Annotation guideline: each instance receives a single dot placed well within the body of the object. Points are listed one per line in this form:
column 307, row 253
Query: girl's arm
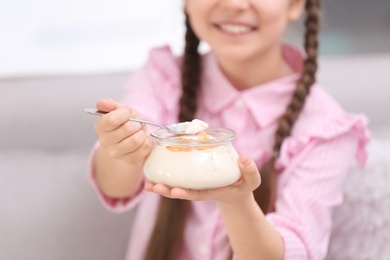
column 116, row 178
column 251, row 236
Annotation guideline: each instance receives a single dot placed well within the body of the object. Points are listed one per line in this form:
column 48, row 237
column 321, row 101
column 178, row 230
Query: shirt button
column 239, row 102
column 203, row 249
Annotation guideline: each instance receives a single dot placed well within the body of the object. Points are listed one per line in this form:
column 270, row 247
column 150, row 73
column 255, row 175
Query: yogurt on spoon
column 194, row 127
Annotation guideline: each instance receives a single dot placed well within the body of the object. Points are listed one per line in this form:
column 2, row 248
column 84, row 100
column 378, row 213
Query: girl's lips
column 235, row 28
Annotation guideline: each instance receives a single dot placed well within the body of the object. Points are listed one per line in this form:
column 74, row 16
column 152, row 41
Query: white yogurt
column 194, row 127
column 193, row 166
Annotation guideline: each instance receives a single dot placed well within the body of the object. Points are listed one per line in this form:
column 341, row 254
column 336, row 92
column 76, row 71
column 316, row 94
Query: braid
column 266, row 193
column 308, row 78
column 167, row 235
column 191, row 70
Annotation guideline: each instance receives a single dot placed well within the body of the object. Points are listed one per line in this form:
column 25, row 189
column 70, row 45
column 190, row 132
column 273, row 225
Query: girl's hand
column 243, row 188
column 123, row 139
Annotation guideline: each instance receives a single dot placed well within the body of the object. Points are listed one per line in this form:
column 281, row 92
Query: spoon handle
column 94, row 112
column 101, row 113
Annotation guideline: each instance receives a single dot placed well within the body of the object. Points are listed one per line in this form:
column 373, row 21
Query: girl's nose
column 235, row 4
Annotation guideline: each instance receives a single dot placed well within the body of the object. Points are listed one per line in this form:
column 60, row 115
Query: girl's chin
column 235, row 54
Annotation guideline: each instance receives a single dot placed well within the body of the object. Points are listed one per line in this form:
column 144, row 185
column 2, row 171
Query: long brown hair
column 167, row 236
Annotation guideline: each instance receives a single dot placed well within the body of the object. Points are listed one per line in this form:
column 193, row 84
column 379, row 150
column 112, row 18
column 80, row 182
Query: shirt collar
column 266, row 102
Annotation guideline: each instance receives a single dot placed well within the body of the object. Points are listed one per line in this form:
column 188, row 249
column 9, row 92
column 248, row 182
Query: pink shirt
column 313, row 161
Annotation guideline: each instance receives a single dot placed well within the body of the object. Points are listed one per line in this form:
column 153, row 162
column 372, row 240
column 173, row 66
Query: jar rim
column 219, row 136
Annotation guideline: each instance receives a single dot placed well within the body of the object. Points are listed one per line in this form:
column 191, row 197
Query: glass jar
column 204, row 161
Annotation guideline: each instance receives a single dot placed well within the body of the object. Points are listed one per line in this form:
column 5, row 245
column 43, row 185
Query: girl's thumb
column 107, row 105
column 249, row 171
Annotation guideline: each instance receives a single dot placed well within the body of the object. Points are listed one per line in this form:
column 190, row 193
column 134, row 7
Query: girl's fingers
column 148, row 185
column 126, row 130
column 132, row 143
column 113, row 120
column 133, row 149
column 185, row 194
column 106, row 105
column 118, row 115
column 138, row 156
column 195, row 195
column 210, row 194
column 162, row 190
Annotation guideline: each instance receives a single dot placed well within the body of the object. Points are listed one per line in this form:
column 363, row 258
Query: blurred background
column 73, row 36
column 58, row 57
column 41, row 36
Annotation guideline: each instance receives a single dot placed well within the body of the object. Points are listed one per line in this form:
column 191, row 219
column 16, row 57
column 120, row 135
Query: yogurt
column 203, row 161
column 194, row 127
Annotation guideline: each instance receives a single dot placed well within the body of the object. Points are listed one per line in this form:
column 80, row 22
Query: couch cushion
column 48, row 210
column 46, row 112
column 362, row 224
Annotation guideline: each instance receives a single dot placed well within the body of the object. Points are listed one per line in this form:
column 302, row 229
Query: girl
column 286, row 125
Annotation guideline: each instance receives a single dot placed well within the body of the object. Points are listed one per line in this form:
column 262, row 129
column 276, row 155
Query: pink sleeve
column 310, row 186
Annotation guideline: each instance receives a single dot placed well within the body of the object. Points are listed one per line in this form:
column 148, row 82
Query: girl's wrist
column 238, row 203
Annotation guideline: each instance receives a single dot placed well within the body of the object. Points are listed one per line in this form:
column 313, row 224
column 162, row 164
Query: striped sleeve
column 309, row 187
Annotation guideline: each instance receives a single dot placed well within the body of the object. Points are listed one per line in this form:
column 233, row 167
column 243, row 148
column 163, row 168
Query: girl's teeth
column 235, row 28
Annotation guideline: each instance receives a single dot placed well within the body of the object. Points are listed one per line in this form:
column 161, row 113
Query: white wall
column 82, row 36
column 56, row 36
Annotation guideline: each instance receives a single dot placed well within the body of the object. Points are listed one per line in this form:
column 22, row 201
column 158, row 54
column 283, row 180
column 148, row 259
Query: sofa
column 48, row 210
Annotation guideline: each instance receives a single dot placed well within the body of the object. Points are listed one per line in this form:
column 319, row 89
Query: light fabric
column 361, row 228
column 313, row 162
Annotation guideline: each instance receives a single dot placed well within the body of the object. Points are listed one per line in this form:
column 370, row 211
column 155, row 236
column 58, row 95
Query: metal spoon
column 175, row 129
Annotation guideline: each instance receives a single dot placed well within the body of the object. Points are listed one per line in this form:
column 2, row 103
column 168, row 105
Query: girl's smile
column 235, row 28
